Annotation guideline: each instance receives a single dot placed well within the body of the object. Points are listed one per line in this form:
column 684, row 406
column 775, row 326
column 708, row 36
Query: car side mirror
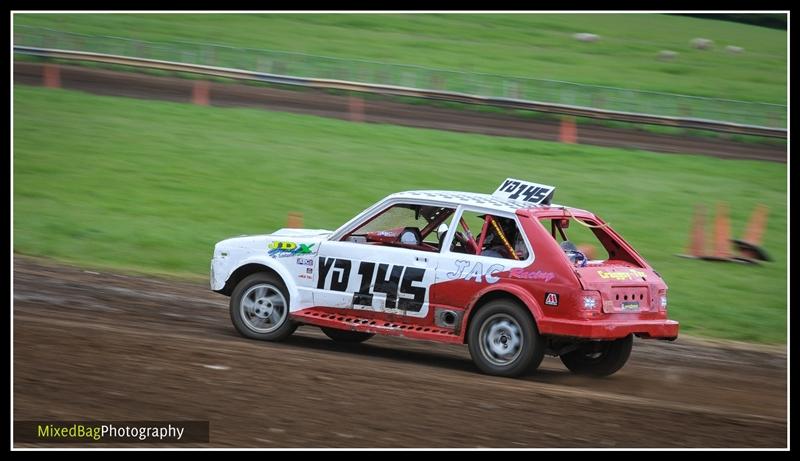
column 441, row 230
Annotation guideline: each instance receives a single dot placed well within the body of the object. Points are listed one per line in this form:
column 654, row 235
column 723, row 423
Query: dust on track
column 102, row 346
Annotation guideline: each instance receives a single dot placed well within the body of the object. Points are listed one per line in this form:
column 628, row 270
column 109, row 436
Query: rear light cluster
column 663, row 300
column 591, row 301
column 591, row 304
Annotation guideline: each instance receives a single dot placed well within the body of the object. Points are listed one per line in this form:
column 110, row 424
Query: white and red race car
column 454, row 267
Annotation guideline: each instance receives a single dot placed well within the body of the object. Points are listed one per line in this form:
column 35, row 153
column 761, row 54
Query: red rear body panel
column 630, row 290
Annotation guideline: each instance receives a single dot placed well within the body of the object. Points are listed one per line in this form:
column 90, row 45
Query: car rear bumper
column 609, row 329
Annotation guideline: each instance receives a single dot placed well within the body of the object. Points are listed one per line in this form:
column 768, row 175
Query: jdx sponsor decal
column 283, row 249
column 621, row 275
column 397, row 283
column 467, row 271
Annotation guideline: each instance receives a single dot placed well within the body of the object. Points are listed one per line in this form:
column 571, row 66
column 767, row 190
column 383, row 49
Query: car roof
column 469, row 199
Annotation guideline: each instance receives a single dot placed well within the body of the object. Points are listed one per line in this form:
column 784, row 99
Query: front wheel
column 599, row 358
column 259, row 308
column 503, row 339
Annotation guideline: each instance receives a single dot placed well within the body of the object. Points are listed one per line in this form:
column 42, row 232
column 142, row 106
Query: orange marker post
column 696, row 247
column 750, row 245
column 200, row 93
column 295, row 220
column 568, row 131
column 52, row 75
column 356, row 108
column 722, row 233
column 756, row 226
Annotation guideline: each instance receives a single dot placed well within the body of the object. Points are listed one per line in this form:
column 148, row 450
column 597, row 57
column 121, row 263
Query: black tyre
column 259, row 308
column 345, row 336
column 599, row 358
column 503, row 339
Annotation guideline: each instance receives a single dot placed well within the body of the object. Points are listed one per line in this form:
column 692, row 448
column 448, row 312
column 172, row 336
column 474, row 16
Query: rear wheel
column 599, row 358
column 259, row 308
column 344, row 336
column 503, row 339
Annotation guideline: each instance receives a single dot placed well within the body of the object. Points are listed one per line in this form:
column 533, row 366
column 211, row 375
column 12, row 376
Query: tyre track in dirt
column 315, row 102
column 99, row 345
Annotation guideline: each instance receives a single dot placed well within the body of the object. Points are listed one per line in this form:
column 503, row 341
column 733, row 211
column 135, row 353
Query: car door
column 381, row 279
column 368, row 266
column 460, row 276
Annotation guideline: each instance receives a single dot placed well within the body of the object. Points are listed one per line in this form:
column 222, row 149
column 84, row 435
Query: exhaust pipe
column 448, row 318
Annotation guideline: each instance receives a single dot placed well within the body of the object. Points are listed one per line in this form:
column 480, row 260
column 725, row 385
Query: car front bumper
column 217, row 273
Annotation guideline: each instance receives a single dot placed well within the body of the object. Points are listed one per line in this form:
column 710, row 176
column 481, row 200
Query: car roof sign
column 528, row 192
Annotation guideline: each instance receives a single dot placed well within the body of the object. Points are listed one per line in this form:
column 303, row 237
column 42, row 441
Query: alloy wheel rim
column 263, row 308
column 501, row 339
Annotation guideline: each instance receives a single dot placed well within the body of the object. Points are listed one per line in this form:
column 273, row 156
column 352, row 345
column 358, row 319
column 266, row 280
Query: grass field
column 527, row 45
column 151, row 186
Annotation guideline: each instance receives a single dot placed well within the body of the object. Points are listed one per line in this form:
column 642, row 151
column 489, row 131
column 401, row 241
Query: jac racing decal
column 529, row 192
column 551, row 299
column 532, row 275
column 465, row 270
column 283, row 249
column 400, row 285
column 621, row 275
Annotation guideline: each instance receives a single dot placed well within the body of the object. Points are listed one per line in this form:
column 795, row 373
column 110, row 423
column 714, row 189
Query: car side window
column 489, row 235
column 405, row 225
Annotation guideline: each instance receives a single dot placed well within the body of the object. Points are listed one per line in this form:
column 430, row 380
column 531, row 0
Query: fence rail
column 773, row 115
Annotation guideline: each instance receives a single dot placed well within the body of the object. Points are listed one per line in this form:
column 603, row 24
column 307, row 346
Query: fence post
column 772, row 120
column 437, row 81
column 52, row 75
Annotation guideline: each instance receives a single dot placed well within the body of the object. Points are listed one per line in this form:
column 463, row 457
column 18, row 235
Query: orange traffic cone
column 750, row 245
column 696, row 248
column 295, row 220
column 722, row 234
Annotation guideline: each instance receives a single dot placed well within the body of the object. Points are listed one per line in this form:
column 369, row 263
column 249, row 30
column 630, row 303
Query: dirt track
column 383, row 111
column 102, row 346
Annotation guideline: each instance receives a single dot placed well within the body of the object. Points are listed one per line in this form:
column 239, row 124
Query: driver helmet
column 573, row 253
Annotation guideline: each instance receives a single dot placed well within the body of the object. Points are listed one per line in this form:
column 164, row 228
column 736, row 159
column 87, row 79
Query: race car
column 499, row 272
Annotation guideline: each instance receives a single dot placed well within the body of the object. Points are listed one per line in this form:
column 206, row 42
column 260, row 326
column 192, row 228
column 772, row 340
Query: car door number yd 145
column 399, row 283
